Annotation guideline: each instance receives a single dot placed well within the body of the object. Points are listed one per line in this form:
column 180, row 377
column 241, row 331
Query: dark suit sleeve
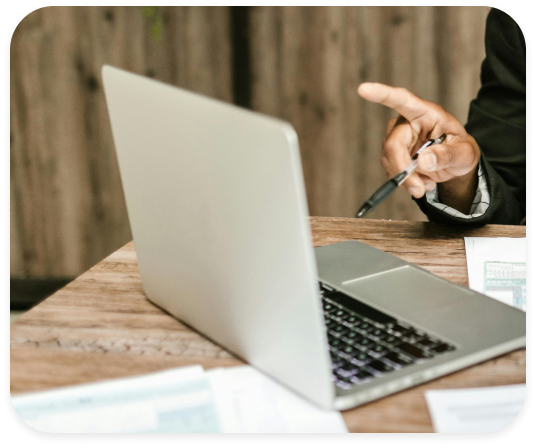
column 497, row 123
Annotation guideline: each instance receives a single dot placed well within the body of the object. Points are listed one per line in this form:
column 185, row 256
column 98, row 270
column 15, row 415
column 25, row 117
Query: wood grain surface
column 101, row 325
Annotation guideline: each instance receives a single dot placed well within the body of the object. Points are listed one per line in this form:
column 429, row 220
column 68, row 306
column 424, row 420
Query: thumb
column 437, row 158
column 457, row 158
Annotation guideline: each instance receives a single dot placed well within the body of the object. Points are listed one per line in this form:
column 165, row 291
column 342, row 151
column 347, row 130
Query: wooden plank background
column 67, row 207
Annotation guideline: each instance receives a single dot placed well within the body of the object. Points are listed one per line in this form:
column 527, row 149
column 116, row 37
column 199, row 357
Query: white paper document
column 475, row 410
column 180, row 400
column 177, row 401
column 250, row 402
column 497, row 268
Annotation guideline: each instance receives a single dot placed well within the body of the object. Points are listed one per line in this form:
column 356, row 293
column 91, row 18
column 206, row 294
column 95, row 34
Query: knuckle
column 389, row 148
column 385, row 163
column 436, row 107
column 449, row 155
column 449, row 152
column 437, row 110
column 445, row 156
column 392, row 126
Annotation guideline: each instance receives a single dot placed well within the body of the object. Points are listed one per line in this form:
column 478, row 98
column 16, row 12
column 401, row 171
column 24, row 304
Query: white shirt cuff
column 480, row 202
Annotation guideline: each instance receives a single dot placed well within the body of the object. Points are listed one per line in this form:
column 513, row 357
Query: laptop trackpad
column 410, row 294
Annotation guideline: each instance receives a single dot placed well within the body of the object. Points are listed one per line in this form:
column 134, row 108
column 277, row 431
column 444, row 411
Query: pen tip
column 365, row 209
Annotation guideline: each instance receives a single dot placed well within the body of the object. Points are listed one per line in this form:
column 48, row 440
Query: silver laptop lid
column 218, row 212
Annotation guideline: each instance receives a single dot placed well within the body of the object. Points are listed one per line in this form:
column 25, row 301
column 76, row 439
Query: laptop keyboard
column 366, row 343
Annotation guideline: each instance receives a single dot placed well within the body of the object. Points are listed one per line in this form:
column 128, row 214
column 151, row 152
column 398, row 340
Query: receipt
column 497, row 268
column 506, row 282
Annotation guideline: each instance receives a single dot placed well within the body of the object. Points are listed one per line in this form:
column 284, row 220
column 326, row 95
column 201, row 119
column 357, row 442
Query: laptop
column 217, row 207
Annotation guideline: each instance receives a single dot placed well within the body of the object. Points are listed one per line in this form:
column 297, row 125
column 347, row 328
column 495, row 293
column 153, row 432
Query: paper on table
column 475, row 410
column 176, row 400
column 250, row 402
column 496, row 267
column 181, row 400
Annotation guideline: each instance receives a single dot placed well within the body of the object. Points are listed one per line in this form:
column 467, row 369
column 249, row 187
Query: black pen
column 391, row 185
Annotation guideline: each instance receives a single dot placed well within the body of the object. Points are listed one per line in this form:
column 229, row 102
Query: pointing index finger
column 404, row 102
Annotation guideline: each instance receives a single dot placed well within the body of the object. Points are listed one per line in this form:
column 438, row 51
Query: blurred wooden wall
column 67, row 206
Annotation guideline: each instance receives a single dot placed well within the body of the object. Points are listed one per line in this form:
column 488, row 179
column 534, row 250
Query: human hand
column 453, row 163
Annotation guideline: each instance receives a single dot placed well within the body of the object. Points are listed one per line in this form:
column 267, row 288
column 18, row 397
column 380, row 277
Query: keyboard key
column 364, row 342
column 380, row 367
column 398, row 359
column 328, row 307
column 326, row 289
column 378, row 334
column 398, row 329
column 336, row 342
column 361, row 308
column 444, row 347
column 331, row 324
column 331, row 337
column 352, row 336
column 413, row 335
column 354, row 340
column 413, row 351
column 329, row 312
column 378, row 350
column 427, row 342
column 361, row 377
column 364, row 326
column 361, row 358
column 344, row 383
column 339, row 313
column 350, row 351
column 347, row 370
column 335, row 364
column 337, row 330
column 391, row 339
column 351, row 320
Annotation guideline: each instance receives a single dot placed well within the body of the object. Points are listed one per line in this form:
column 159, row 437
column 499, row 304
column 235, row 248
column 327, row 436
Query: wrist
column 459, row 192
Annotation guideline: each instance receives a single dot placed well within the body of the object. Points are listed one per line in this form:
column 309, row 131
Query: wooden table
column 101, row 326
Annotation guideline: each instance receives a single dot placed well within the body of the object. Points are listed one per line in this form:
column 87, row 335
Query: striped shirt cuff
column 480, row 202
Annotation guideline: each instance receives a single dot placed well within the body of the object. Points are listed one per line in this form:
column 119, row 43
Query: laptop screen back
column 217, row 207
